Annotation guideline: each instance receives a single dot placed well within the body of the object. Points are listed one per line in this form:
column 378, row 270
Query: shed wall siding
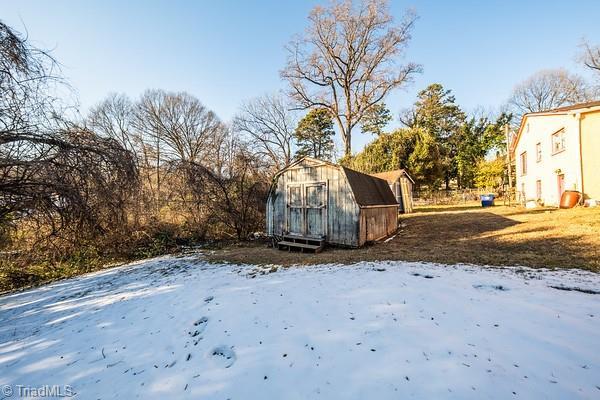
column 377, row 223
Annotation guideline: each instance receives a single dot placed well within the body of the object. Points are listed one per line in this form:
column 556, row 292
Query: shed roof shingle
column 369, row 190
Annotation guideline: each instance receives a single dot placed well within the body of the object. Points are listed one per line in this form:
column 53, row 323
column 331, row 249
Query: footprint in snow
column 223, row 355
column 200, row 327
column 491, row 287
column 424, row 276
column 209, row 299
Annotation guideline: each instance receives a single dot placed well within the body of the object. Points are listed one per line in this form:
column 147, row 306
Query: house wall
column 590, row 152
column 540, row 130
column 342, row 211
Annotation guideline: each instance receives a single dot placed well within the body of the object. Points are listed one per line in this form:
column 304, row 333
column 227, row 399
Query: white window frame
column 558, row 134
column 523, row 161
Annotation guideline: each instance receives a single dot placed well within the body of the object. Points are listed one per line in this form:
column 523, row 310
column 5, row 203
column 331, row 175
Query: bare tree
column 174, row 129
column 271, row 125
column 346, row 61
column 114, row 118
column 548, row 89
column 179, row 121
column 70, row 188
column 590, row 56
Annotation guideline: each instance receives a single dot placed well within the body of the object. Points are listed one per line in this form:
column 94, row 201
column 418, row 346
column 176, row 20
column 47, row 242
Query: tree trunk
column 347, row 141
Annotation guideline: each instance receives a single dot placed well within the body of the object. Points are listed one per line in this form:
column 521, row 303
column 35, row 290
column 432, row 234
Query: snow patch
column 179, row 327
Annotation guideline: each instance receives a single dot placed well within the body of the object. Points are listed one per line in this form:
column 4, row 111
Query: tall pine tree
column 436, row 112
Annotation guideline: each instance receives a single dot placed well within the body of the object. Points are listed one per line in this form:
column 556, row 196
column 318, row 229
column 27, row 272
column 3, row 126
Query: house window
column 538, row 189
column 524, row 163
column 538, row 152
column 558, row 141
column 523, row 192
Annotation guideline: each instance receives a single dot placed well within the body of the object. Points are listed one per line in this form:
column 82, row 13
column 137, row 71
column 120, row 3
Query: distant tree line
column 439, row 143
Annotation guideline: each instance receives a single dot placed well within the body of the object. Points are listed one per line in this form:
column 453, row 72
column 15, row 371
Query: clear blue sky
column 227, row 51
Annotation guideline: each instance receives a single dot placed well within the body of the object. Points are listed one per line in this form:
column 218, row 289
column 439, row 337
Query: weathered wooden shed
column 313, row 202
column 402, row 186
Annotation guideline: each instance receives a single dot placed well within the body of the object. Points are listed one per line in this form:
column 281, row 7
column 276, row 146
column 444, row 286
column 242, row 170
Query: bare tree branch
column 590, row 56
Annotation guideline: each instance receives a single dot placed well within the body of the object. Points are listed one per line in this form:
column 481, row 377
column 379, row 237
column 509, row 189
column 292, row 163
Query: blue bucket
column 487, row 200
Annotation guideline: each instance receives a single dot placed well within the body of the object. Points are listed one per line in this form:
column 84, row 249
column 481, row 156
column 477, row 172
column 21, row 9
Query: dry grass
column 464, row 234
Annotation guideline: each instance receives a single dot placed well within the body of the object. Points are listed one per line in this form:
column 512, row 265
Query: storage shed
column 313, row 202
column 402, row 186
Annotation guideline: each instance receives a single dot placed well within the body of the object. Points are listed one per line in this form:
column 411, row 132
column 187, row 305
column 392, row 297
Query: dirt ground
column 462, row 234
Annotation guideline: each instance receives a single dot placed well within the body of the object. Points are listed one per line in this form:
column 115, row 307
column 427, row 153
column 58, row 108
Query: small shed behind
column 402, row 186
column 313, row 202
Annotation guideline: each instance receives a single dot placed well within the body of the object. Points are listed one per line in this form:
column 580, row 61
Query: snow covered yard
column 183, row 328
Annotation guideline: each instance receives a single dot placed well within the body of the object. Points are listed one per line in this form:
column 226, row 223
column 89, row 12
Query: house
column 558, row 150
column 314, row 202
column 402, row 186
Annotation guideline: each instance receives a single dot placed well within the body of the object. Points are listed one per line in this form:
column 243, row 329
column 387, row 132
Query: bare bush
column 236, row 192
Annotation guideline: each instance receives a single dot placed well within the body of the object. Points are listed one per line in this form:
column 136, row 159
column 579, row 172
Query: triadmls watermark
column 41, row 391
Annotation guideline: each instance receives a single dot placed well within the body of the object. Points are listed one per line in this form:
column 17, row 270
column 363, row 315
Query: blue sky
column 225, row 52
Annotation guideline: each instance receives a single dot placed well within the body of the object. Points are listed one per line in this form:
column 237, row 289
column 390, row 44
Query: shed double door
column 307, row 209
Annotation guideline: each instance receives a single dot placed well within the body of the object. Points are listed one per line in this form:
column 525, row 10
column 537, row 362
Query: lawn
column 464, row 234
column 183, row 328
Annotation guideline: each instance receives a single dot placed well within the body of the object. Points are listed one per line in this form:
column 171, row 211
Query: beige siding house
column 558, row 150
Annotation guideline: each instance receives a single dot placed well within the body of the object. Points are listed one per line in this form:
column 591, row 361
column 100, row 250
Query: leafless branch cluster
column 590, row 56
column 270, row 125
column 235, row 193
